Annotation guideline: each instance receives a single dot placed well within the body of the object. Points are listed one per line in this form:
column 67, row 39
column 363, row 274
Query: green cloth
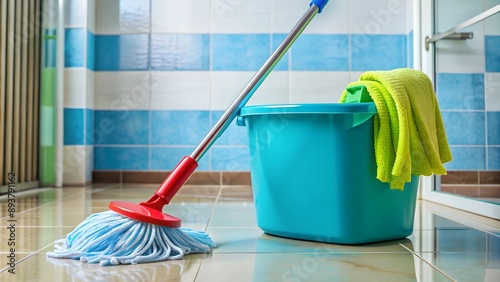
column 409, row 134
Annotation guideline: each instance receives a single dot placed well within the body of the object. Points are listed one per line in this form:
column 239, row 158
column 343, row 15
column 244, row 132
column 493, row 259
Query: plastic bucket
column 313, row 175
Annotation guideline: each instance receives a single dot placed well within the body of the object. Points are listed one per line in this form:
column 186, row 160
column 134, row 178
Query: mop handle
column 188, row 165
column 315, row 7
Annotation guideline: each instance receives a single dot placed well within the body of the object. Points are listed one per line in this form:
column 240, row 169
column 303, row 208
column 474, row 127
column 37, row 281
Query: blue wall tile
column 467, row 158
column 493, row 121
column 239, row 52
column 121, row 127
column 90, row 50
column 492, row 53
column 178, row 127
column 167, row 158
column 121, row 158
column 74, row 47
column 378, row 52
column 73, row 126
column 233, row 135
column 89, row 125
column 122, row 52
column 230, row 159
column 180, row 51
column 464, row 128
column 493, row 158
column 321, row 52
column 464, row 91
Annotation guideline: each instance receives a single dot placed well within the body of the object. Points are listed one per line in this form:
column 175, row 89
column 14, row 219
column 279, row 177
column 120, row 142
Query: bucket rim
column 310, row 108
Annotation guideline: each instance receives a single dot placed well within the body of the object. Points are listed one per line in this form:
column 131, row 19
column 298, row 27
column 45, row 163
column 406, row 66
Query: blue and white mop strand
column 109, row 238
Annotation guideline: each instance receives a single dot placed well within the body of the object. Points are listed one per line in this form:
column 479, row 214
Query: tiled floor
column 446, row 245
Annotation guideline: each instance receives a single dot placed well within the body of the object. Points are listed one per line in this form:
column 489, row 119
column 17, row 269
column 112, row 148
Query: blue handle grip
column 319, row 3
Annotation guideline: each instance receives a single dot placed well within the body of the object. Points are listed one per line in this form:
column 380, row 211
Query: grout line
column 428, row 263
column 213, row 208
column 43, row 226
column 17, row 262
column 27, row 257
column 199, row 268
column 45, row 204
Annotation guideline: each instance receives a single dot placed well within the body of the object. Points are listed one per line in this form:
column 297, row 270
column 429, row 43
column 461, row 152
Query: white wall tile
column 188, row 16
column 225, row 87
column 333, row 19
column 127, row 90
column 122, row 16
column 284, row 19
column 492, row 91
column 180, row 90
column 378, row 17
column 355, row 75
column 75, row 166
column 492, row 24
column 91, row 15
column 409, row 15
column 453, row 12
column 461, row 56
column 75, row 13
column 75, row 87
column 107, row 17
column 90, row 89
column 274, row 90
column 280, row 87
column 317, row 87
column 240, row 16
column 89, row 163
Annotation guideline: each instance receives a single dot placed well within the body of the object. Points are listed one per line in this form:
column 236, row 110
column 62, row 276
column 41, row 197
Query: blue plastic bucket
column 313, row 175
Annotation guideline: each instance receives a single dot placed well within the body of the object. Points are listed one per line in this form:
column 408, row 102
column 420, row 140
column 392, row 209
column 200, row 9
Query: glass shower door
column 465, row 67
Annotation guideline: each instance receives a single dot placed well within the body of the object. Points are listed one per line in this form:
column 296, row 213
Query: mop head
column 109, row 238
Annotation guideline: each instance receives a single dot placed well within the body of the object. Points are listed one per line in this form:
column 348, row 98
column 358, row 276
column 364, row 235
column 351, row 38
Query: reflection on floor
column 446, row 245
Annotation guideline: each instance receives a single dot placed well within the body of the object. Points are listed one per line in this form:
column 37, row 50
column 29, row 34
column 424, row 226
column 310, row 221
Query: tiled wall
column 78, row 92
column 165, row 71
column 468, row 85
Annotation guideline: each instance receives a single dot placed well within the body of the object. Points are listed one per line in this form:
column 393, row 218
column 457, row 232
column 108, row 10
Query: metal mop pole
column 256, row 81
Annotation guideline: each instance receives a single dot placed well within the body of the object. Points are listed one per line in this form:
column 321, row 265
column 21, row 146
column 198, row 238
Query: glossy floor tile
column 446, row 245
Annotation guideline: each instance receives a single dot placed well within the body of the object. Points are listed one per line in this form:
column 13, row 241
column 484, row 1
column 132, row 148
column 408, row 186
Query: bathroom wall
column 79, row 69
column 165, row 71
column 468, row 85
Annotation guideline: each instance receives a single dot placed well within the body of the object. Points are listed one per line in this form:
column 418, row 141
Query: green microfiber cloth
column 408, row 128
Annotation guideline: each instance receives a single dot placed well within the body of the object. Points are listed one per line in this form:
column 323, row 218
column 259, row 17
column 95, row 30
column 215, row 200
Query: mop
column 132, row 233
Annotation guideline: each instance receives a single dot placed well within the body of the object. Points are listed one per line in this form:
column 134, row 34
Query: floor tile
column 233, row 214
column 59, row 218
column 254, row 240
column 240, row 193
column 446, row 244
column 31, row 239
column 313, row 267
column 39, row 268
column 455, row 240
column 466, row 266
